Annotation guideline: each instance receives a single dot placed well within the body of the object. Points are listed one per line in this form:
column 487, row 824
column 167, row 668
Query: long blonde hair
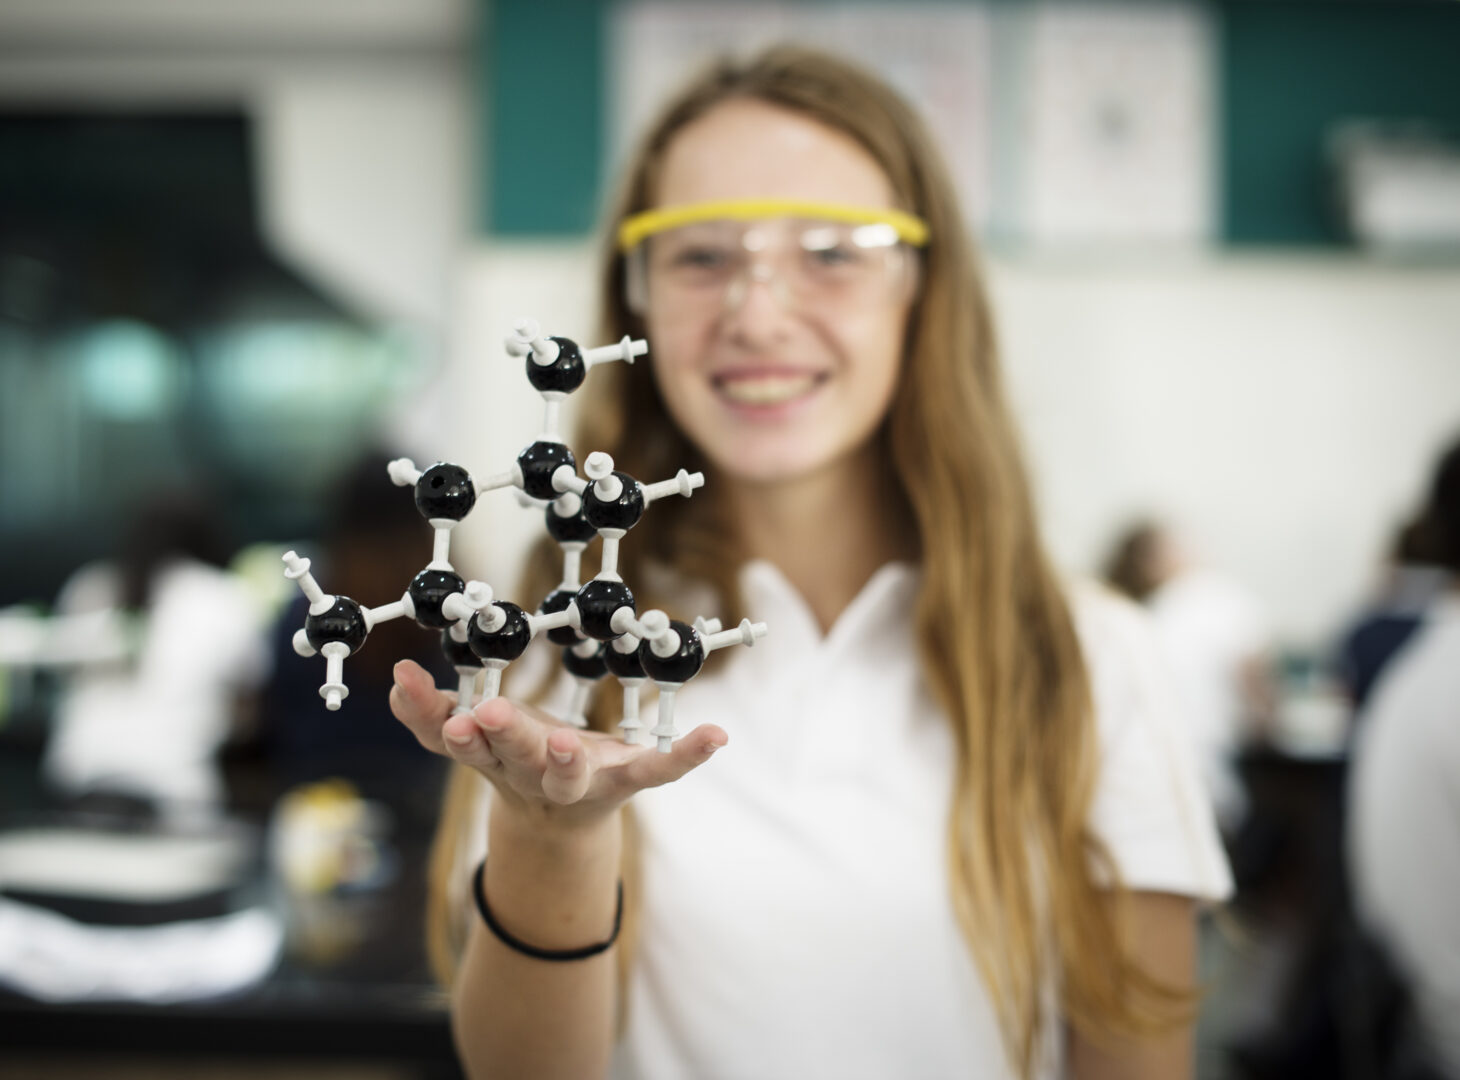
column 1030, row 883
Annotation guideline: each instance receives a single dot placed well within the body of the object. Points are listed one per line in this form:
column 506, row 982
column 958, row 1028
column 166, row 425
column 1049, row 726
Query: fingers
column 653, row 769
column 497, row 732
column 566, row 778
column 465, row 742
column 514, row 736
column 418, row 705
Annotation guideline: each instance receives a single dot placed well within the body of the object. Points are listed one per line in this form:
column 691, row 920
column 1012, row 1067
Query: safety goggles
column 705, row 258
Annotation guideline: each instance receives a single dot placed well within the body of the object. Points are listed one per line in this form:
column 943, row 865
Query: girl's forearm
column 554, row 888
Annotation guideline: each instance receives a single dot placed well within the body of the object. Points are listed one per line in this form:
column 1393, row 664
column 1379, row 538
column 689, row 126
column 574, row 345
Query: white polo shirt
column 797, row 920
column 1209, row 627
column 1404, row 821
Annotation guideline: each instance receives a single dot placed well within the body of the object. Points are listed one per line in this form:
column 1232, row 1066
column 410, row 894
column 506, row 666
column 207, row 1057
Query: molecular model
column 596, row 622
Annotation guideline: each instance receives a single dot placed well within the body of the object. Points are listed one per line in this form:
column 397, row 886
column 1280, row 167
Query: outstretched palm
column 536, row 762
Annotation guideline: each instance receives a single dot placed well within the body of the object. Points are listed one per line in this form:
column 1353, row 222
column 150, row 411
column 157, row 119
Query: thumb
column 565, row 780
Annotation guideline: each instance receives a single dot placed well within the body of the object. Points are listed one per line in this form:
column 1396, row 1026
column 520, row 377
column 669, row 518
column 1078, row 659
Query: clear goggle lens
column 803, row 261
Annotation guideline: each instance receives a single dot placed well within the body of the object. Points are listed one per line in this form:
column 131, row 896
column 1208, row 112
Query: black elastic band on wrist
column 478, row 889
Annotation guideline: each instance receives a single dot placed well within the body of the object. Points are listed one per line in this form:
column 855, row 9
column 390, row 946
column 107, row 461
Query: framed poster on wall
column 939, row 55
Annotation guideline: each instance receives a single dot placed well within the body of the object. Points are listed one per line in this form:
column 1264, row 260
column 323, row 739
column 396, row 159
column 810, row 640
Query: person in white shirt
column 1214, row 636
column 151, row 728
column 954, row 829
column 1404, row 801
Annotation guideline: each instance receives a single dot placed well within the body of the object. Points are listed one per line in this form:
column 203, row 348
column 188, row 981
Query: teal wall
column 541, row 75
column 1290, row 69
column 1287, row 70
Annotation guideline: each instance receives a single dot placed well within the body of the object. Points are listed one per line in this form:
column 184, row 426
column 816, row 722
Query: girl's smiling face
column 770, row 383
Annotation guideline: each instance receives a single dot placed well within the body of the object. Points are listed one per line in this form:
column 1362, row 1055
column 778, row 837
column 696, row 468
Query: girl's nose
column 743, row 291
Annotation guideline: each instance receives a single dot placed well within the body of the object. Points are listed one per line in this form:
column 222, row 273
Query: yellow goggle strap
column 910, row 229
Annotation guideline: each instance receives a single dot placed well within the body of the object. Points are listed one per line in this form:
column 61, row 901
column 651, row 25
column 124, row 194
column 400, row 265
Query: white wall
column 359, row 108
column 1286, row 409
column 362, row 130
column 364, row 180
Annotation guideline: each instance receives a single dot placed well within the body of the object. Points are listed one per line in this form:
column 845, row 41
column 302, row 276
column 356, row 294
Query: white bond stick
column 491, row 619
column 459, row 606
column 441, row 548
column 403, row 472
column 664, row 730
column 552, row 621
column 301, row 644
column 608, row 571
column 384, row 613
column 654, row 627
column 552, row 407
column 507, row 478
column 297, row 569
column 334, row 689
column 683, row 483
column 599, row 468
column 492, row 678
column 466, row 689
column 566, row 480
column 572, row 566
column 578, row 707
column 625, row 349
column 705, row 627
column 747, row 633
column 569, row 502
column 630, row 724
column 544, row 350
column 623, row 623
column 515, row 346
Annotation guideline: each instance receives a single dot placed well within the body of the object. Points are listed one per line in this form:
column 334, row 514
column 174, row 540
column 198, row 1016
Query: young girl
column 951, row 830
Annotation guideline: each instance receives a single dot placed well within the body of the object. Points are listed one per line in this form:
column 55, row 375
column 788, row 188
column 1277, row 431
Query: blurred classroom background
column 250, row 250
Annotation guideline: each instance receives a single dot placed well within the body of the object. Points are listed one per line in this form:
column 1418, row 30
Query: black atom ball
column 621, row 513
column 428, row 590
column 625, row 665
column 556, row 601
column 458, row 653
column 538, row 463
column 506, row 644
column 597, row 601
column 344, row 621
column 585, row 667
column 445, row 491
column 680, row 667
column 572, row 529
column 565, row 374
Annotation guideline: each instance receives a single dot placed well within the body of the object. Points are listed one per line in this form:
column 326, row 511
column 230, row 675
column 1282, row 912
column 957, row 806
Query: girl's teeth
column 770, row 390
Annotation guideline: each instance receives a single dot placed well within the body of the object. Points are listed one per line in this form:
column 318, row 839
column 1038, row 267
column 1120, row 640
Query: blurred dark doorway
column 149, row 338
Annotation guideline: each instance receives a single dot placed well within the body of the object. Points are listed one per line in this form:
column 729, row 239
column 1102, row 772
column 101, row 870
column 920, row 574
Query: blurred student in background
column 1404, row 813
column 956, row 830
column 1215, row 638
column 150, row 729
column 1412, row 580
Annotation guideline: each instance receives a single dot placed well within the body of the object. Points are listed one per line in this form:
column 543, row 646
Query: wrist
column 536, row 952
column 565, row 831
column 553, row 884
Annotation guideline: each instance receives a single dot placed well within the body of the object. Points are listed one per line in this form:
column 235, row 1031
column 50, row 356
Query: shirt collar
column 882, row 605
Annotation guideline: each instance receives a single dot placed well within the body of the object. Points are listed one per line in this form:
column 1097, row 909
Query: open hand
column 538, row 764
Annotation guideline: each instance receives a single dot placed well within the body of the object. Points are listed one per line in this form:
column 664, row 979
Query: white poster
column 1118, row 124
column 937, row 54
